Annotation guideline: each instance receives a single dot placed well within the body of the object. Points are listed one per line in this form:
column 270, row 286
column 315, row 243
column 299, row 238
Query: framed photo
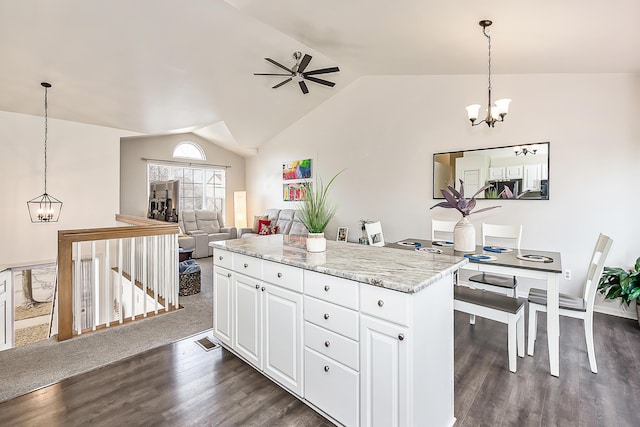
column 342, row 234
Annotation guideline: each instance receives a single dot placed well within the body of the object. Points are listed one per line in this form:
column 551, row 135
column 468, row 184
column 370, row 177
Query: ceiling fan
column 297, row 73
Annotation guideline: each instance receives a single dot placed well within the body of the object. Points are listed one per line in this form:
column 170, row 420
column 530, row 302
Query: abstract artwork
column 294, row 191
column 296, row 169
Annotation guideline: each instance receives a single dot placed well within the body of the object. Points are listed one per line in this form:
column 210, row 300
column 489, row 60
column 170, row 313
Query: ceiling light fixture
column 45, row 208
column 524, row 150
column 502, row 105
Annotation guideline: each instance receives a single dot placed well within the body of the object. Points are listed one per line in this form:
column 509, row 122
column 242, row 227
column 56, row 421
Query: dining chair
column 374, row 233
column 571, row 306
column 440, row 228
column 507, row 236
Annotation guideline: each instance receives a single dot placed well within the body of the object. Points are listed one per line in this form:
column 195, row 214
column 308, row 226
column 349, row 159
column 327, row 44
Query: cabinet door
column 514, row 172
column 222, row 305
column 532, row 175
column 496, row 172
column 283, row 337
column 384, row 373
column 247, row 336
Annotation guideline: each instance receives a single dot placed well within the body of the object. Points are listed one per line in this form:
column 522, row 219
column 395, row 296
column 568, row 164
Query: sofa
column 286, row 220
column 199, row 227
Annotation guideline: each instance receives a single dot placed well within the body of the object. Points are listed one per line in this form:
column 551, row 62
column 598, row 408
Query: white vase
column 316, row 242
column 464, row 236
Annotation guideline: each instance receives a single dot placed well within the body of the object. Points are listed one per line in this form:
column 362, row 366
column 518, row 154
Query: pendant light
column 502, row 105
column 45, row 208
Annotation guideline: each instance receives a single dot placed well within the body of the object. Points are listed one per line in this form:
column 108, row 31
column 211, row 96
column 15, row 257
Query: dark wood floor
column 182, row 385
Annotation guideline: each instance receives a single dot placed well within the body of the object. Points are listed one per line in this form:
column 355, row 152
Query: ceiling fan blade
column 322, row 71
column 269, row 74
column 303, row 86
column 277, row 64
column 281, row 83
column 303, row 64
column 321, row 81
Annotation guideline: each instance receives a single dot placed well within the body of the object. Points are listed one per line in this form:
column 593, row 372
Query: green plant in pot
column 617, row 282
column 315, row 211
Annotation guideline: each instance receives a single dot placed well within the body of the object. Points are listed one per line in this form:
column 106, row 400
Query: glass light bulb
column 502, row 106
column 472, row 111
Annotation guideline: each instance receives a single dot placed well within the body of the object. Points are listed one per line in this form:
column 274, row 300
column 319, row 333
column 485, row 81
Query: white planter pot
column 316, row 242
column 464, row 236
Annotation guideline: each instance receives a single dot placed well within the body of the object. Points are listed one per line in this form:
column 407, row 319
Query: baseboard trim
column 626, row 313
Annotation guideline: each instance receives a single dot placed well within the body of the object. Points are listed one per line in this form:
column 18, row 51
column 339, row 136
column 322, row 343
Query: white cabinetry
column 514, row 172
column 247, row 309
column 222, row 304
column 496, row 173
column 532, row 176
column 6, row 310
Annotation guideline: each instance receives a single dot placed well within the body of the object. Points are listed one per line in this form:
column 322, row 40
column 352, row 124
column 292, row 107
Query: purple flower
column 455, row 200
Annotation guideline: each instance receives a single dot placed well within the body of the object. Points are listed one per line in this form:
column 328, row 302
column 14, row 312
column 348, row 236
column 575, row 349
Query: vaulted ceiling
column 158, row 67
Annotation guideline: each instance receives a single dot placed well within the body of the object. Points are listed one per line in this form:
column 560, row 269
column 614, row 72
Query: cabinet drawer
column 282, row 275
column 222, row 258
column 385, row 304
column 332, row 387
column 247, row 265
column 332, row 289
column 333, row 317
column 330, row 344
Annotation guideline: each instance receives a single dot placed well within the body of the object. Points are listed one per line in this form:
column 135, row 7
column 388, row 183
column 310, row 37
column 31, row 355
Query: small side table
column 184, row 254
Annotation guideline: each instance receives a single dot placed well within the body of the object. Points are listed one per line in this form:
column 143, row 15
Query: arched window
column 189, row 150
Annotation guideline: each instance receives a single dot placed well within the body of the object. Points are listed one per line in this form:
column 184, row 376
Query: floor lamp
column 240, row 208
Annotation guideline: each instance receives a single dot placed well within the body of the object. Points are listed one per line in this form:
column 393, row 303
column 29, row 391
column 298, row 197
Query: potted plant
column 617, row 282
column 315, row 212
column 464, row 233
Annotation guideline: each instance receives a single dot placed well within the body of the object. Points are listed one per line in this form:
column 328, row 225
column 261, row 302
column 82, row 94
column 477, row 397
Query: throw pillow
column 263, row 223
column 255, row 222
column 268, row 229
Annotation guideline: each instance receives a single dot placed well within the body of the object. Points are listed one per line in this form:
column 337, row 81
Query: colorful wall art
column 296, row 169
column 294, row 191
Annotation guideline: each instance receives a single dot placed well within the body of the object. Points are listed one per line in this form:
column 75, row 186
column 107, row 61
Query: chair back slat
column 440, row 228
column 598, row 258
column 507, row 235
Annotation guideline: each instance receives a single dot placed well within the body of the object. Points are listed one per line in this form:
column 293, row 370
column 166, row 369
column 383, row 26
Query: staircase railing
column 109, row 276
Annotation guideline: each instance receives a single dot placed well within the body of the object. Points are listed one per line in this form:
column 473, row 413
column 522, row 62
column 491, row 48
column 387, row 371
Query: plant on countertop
column 315, row 210
column 455, row 200
column 617, row 282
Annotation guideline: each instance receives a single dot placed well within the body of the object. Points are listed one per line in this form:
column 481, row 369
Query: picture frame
column 343, row 232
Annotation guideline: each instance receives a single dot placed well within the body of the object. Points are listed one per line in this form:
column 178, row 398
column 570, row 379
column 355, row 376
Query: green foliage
column 316, row 210
column 617, row 282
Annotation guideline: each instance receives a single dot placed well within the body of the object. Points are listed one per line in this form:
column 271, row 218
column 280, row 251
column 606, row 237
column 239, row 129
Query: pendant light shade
column 45, row 207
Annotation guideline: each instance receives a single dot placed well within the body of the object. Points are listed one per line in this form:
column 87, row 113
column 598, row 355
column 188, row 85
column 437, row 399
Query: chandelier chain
column 46, row 128
column 488, row 36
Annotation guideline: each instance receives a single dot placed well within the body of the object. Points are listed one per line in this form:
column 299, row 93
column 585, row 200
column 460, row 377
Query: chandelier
column 525, row 150
column 502, row 105
column 45, row 208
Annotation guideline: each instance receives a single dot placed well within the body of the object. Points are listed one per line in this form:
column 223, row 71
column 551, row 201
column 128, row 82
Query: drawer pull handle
column 380, row 303
column 326, row 288
column 401, row 337
column 279, row 274
column 228, row 274
column 326, row 368
column 326, row 316
column 246, row 265
column 257, row 286
column 327, row 343
column 220, row 257
column 263, row 289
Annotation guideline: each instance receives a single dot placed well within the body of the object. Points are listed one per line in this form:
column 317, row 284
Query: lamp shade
column 502, row 106
column 240, row 208
column 472, row 111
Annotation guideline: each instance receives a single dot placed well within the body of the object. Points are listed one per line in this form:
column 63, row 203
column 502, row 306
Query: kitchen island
column 364, row 335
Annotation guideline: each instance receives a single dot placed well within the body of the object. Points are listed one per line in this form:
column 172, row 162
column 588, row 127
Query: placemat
column 410, row 243
column 429, row 250
column 480, row 257
column 441, row 243
column 534, row 257
column 497, row 249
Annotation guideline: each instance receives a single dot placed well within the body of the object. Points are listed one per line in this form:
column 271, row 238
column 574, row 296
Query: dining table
column 530, row 263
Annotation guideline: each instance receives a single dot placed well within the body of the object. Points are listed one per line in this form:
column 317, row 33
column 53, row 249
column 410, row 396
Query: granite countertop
column 390, row 268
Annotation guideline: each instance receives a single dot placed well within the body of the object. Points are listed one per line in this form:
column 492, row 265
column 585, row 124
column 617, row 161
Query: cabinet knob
column 228, row 274
column 326, row 288
column 279, row 274
column 220, row 257
column 246, row 265
column 257, row 286
column 327, row 343
column 326, row 316
column 326, row 368
column 380, row 303
column 262, row 289
column 401, row 337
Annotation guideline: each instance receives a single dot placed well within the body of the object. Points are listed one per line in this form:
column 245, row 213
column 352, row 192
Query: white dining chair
column 442, row 230
column 374, row 233
column 571, row 306
column 507, row 236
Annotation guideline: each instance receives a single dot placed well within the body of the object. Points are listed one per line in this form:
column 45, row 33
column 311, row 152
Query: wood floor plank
column 183, row 385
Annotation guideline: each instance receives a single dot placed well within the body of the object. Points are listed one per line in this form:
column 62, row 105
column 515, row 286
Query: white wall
column 384, row 130
column 82, row 172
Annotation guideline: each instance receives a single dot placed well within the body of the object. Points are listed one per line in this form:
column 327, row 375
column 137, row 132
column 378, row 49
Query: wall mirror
column 519, row 172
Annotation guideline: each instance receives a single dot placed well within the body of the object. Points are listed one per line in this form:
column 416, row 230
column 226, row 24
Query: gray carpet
column 33, row 366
